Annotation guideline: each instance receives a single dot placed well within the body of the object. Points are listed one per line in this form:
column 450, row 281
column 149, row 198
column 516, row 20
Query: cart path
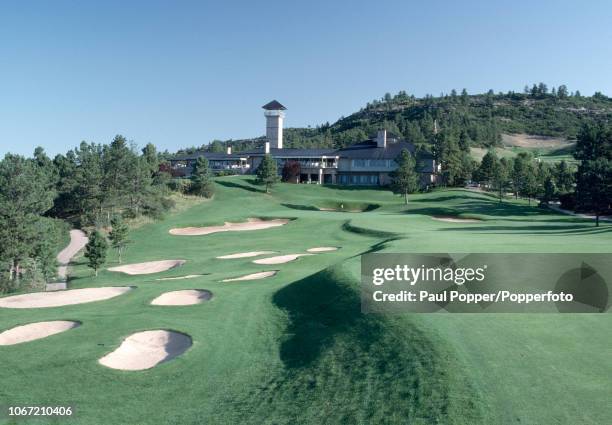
column 77, row 241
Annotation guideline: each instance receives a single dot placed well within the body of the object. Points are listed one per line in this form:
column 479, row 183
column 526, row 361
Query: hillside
column 480, row 119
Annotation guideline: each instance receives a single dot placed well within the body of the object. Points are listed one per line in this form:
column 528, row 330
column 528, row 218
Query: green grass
column 296, row 348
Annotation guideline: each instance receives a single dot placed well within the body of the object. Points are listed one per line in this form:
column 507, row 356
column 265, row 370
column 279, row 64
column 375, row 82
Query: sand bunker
column 33, row 331
column 188, row 276
column 246, row 254
column 323, row 249
column 252, row 276
column 143, row 350
column 280, row 259
column 250, row 224
column 61, row 298
column 184, row 297
column 451, row 219
column 148, row 267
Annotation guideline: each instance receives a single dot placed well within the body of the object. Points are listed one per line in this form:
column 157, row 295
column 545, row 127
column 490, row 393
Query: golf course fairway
column 295, row 347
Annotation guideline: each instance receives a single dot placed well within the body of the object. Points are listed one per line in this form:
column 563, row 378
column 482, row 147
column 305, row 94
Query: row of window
column 361, row 179
column 386, row 163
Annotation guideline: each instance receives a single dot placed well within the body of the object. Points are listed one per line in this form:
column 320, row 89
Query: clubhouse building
column 367, row 163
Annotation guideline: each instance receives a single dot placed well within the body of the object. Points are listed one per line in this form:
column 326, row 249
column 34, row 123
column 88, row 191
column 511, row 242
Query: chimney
column 381, row 138
column 267, row 147
column 229, row 150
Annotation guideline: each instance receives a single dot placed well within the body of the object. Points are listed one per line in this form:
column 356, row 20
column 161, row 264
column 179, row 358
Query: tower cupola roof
column 275, row 105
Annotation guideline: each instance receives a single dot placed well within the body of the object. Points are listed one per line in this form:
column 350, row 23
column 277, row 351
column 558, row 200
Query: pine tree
column 594, row 176
column 501, row 172
column 95, row 251
column 267, row 173
column 564, row 177
column 549, row 190
column 118, row 235
column 488, row 168
column 201, row 180
column 404, row 179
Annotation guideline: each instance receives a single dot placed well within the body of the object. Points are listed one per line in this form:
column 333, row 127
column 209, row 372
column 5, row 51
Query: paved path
column 587, row 216
column 77, row 241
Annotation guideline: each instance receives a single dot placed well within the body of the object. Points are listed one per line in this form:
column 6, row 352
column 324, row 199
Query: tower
column 274, row 123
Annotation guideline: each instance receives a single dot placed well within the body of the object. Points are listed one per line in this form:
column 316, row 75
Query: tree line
column 482, row 118
column 586, row 188
column 95, row 187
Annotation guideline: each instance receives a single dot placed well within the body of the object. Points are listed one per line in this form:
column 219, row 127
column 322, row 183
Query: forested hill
column 479, row 119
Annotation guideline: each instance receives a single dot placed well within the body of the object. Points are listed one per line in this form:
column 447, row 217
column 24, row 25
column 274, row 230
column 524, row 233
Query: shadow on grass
column 484, row 208
column 235, row 185
column 334, row 357
column 300, row 207
column 533, row 228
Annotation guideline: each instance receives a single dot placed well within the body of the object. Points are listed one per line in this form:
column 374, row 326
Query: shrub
column 291, row 172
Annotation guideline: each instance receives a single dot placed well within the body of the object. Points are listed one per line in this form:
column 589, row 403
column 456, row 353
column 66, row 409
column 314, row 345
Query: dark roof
column 275, row 105
column 291, row 152
column 215, row 156
column 369, row 150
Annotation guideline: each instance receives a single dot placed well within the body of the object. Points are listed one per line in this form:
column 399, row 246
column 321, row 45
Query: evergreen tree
column 149, row 153
column 487, row 169
column 563, row 177
column 594, row 176
column 201, row 179
column 118, row 235
column 88, row 192
column 95, row 251
column 550, row 190
column 518, row 175
column 531, row 183
column 501, row 172
column 118, row 161
column 26, row 193
column 267, row 173
column 404, row 179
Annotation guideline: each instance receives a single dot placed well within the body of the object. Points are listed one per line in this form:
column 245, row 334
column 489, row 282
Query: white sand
column 184, row 297
column 143, row 350
column 33, row 331
column 280, row 259
column 77, row 241
column 455, row 219
column 245, row 254
column 148, row 267
column 188, row 276
column 252, row 276
column 323, row 249
column 250, row 224
column 60, row 298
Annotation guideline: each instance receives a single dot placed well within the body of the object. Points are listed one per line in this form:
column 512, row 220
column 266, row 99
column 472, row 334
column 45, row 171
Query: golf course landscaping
column 249, row 307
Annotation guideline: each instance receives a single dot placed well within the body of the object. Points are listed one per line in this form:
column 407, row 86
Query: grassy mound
column 341, row 366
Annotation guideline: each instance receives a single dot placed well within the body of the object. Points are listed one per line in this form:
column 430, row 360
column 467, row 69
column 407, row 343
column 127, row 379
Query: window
column 364, row 179
column 378, row 163
column 359, row 163
column 374, row 179
column 354, row 179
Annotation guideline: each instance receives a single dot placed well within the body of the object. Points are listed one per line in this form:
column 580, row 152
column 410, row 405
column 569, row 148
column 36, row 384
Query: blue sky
column 180, row 73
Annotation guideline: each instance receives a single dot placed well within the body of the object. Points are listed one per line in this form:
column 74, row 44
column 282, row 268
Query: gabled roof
column 292, row 152
column 369, row 150
column 274, row 106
